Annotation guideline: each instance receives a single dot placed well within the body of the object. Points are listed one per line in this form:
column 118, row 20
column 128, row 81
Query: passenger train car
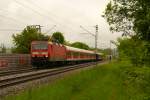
column 49, row 53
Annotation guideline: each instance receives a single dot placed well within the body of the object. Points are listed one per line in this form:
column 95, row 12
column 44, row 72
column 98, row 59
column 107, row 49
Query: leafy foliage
column 22, row 41
column 67, row 43
column 2, row 48
column 136, row 81
column 129, row 16
column 58, row 37
column 132, row 17
column 80, row 45
column 132, row 49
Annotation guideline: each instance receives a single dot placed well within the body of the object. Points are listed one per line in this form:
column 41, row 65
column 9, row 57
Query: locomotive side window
column 40, row 46
column 69, row 54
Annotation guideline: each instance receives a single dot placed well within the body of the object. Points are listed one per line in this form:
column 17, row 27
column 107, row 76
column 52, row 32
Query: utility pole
column 95, row 35
column 38, row 27
column 110, row 57
column 96, row 38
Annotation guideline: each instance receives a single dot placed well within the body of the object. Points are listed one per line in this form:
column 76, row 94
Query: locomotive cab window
column 40, row 46
column 69, row 54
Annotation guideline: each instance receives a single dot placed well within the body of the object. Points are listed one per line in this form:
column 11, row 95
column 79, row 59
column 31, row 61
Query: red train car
column 75, row 54
column 48, row 53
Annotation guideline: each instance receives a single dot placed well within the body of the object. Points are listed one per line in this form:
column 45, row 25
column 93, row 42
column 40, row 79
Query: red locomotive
column 48, row 53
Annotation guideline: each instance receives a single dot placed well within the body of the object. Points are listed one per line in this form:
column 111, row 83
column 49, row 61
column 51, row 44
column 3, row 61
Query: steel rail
column 15, row 71
column 11, row 81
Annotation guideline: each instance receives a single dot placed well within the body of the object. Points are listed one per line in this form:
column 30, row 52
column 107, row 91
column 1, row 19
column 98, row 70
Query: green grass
column 106, row 82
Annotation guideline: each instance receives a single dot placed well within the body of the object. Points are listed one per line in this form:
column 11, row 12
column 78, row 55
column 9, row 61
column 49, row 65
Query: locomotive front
column 39, row 52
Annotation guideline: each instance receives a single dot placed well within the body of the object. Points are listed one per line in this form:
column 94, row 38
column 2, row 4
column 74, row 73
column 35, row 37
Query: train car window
column 73, row 53
column 88, row 55
column 81, row 54
column 85, row 55
column 76, row 54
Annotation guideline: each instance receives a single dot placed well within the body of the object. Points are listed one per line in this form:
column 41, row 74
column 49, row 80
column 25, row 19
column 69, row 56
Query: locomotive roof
column 39, row 42
column 70, row 48
column 79, row 50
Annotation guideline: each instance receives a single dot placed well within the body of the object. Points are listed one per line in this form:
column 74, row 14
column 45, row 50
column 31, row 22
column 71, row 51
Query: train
column 51, row 53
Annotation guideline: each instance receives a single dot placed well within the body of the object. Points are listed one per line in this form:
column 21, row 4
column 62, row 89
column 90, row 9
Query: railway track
column 15, row 71
column 25, row 77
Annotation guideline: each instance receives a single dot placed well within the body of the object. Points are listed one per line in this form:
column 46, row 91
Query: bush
column 134, row 50
column 136, row 81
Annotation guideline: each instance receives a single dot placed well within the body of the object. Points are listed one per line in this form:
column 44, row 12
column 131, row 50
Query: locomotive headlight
column 44, row 53
column 35, row 53
column 46, row 56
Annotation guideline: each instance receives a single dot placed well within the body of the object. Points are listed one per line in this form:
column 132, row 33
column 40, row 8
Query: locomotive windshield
column 40, row 46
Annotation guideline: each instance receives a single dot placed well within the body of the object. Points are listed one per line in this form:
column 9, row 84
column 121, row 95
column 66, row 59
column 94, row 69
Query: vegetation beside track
column 114, row 81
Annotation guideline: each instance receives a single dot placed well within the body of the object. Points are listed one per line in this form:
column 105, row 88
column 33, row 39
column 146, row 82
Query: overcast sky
column 67, row 15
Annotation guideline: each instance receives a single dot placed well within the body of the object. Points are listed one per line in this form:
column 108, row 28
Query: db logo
column 3, row 63
column 22, row 60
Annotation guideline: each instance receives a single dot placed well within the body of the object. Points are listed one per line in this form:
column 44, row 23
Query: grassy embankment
column 114, row 81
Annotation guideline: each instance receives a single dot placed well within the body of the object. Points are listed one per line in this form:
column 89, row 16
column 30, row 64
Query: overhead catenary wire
column 47, row 11
column 41, row 14
column 50, row 29
column 14, row 20
column 10, row 30
column 11, row 18
column 35, row 11
column 18, row 19
column 87, row 31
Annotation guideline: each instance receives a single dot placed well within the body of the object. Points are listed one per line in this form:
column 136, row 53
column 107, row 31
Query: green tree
column 23, row 40
column 132, row 17
column 80, row 45
column 58, row 37
column 67, row 43
column 3, row 48
column 128, row 50
column 129, row 16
